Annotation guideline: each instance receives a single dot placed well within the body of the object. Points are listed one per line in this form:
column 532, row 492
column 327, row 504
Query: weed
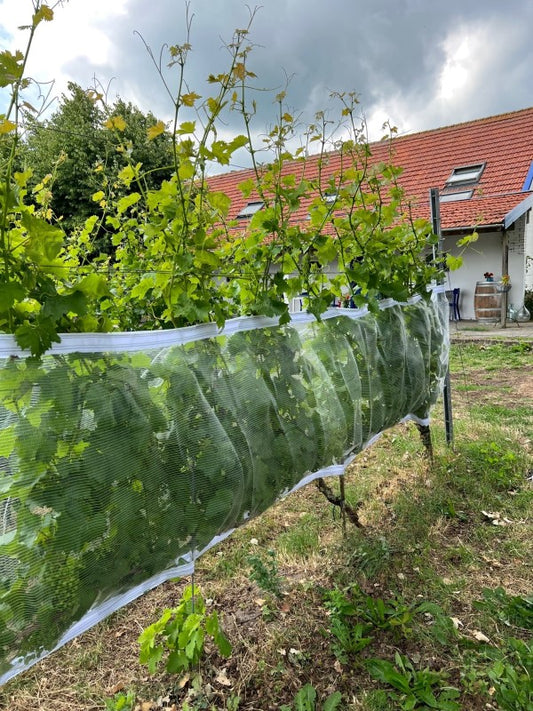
column 233, row 703
column 376, row 700
column 372, row 556
column 509, row 609
column 265, row 573
column 121, row 702
column 354, row 620
column 512, row 677
column 350, row 636
column 504, row 674
column 181, row 632
column 306, row 700
column 393, row 614
column 439, row 624
column 414, row 689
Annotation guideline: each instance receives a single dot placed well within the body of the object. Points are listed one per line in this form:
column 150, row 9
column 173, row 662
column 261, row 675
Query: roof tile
column 504, row 143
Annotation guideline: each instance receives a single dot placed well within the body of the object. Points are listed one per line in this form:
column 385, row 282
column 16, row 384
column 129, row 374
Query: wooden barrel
column 487, row 302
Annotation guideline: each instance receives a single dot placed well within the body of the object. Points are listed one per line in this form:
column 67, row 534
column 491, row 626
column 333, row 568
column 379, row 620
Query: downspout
column 505, row 270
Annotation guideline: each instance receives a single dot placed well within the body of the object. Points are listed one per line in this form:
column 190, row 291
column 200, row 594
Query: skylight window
column 465, row 174
column 250, row 210
column 453, row 197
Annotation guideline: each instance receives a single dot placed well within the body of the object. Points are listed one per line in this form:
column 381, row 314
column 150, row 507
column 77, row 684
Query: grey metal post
column 447, row 393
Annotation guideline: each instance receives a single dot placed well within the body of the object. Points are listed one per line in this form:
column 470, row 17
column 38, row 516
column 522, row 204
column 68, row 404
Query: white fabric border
column 132, row 341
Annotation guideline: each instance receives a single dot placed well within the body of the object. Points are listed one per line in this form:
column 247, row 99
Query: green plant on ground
column 511, row 676
column 180, row 634
column 350, row 635
column 356, row 617
column 233, row 702
column 393, row 614
column 121, row 701
column 306, row 700
column 503, row 674
column 510, row 609
column 414, row 689
column 376, row 700
column 265, row 573
column 301, row 539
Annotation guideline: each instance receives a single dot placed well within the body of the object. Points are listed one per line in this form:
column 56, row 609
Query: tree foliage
column 86, row 142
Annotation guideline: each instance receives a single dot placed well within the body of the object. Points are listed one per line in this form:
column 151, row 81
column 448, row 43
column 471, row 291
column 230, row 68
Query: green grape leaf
column 10, row 292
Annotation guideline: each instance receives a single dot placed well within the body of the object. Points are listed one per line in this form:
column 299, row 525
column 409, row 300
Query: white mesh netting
column 125, row 456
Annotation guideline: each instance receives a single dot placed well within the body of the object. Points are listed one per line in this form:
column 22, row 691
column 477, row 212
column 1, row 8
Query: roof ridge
column 484, row 119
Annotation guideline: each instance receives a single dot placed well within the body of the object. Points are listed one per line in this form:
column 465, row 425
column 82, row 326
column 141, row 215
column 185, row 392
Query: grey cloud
column 387, row 51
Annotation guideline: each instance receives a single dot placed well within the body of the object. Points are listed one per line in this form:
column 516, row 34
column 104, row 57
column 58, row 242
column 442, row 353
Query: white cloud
column 78, row 33
column 463, row 50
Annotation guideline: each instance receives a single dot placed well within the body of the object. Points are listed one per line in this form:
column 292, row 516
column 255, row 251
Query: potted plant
column 504, row 284
column 489, row 276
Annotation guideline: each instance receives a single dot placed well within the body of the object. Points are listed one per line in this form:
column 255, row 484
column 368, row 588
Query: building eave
column 517, row 212
column 495, row 227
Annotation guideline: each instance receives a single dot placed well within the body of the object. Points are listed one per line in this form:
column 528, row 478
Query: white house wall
column 485, row 255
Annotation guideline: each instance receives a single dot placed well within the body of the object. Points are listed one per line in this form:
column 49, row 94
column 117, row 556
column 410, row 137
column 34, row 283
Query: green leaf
column 116, row 122
column 127, row 201
column 10, row 67
column 187, row 127
column 7, row 126
column 223, row 644
column 45, row 240
column 453, row 263
column 246, row 187
column 333, row 701
column 10, row 292
column 43, row 13
column 37, row 338
column 61, row 304
column 190, row 99
column 7, row 441
column 305, row 699
column 7, row 538
column 93, row 286
column 155, row 130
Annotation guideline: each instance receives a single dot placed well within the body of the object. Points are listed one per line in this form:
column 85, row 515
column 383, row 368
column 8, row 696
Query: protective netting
column 125, row 456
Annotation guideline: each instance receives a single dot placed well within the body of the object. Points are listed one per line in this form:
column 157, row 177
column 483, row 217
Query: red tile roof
column 503, row 143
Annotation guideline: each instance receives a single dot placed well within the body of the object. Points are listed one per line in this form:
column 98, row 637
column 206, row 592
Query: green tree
column 84, row 146
column 69, row 145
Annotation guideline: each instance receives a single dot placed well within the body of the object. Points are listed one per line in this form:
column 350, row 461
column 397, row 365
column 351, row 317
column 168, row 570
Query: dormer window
column 250, row 210
column 465, row 175
column 453, row 197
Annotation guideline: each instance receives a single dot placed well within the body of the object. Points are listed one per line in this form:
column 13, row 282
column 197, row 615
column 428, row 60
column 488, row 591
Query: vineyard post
column 447, row 394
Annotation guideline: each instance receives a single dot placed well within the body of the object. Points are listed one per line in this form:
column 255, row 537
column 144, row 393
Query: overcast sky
column 416, row 63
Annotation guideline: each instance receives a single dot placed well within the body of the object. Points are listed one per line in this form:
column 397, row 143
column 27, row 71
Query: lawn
column 428, row 605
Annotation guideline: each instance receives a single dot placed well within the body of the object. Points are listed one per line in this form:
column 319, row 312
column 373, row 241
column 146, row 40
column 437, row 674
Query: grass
column 429, row 602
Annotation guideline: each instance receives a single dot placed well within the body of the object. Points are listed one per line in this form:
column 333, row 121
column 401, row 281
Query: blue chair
column 453, row 299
